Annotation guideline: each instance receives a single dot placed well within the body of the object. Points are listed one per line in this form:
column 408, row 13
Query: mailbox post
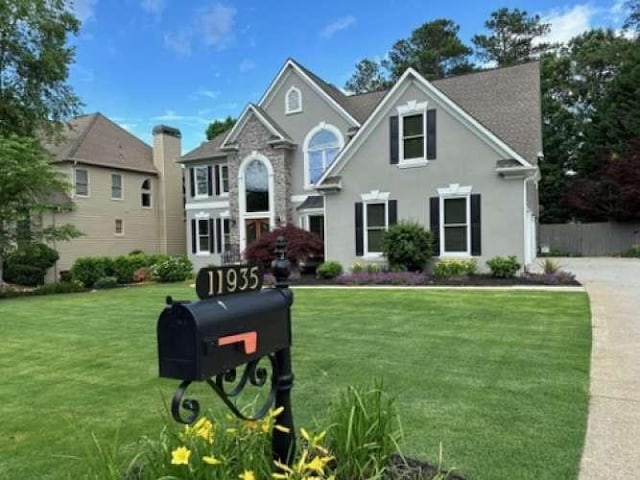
column 235, row 324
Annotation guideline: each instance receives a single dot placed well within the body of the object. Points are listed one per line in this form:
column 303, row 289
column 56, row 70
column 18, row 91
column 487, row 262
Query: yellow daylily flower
column 276, row 412
column 211, row 460
column 247, row 475
column 180, row 456
column 282, row 428
column 316, row 465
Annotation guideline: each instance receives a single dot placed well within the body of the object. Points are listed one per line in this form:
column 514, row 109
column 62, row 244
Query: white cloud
column 246, row 65
column 203, row 92
column 179, row 42
column 215, row 23
column 129, row 127
column 84, row 9
column 337, row 25
column 154, row 7
column 187, row 120
column 168, row 116
column 566, row 23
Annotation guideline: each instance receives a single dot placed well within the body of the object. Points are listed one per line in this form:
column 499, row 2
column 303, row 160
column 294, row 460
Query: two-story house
column 458, row 155
column 127, row 195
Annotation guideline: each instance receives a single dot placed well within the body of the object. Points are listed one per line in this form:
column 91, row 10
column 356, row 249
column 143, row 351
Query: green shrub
column 549, row 266
column 26, row 275
column 11, row 293
column 364, row 432
column 633, row 252
column 88, row 270
column 503, row 267
column 28, row 265
column 450, row 268
column 105, row 282
column 329, row 270
column 60, row 287
column 174, row 269
column 141, row 275
column 65, row 276
column 408, row 244
column 124, row 266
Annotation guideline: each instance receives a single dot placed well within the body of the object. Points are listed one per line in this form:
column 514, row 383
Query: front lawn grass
column 499, row 377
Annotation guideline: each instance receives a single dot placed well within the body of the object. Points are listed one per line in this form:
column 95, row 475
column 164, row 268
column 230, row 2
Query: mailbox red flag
column 248, row 339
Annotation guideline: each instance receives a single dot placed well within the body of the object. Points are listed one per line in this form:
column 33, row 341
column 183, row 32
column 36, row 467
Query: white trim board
column 244, row 118
column 205, row 205
column 442, row 100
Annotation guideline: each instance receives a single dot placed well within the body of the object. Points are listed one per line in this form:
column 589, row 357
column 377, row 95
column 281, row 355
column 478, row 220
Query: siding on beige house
column 127, row 195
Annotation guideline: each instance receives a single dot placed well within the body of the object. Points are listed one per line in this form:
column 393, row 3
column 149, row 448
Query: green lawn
column 499, row 377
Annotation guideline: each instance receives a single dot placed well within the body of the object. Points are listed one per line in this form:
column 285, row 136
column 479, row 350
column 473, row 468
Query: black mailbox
column 202, row 339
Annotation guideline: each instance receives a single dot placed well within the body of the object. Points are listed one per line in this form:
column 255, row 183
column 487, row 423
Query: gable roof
column 331, row 94
column 278, row 134
column 95, row 140
column 453, row 108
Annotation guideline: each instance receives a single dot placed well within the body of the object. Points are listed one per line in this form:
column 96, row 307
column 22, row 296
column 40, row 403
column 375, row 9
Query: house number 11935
column 214, row 281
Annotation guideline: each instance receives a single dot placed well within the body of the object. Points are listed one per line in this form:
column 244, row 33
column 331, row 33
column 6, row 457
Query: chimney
column 167, row 149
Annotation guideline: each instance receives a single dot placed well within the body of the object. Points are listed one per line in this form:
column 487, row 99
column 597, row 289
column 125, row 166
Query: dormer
column 293, row 101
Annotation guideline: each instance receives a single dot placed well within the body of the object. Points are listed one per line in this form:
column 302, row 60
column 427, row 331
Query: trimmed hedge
column 28, row 265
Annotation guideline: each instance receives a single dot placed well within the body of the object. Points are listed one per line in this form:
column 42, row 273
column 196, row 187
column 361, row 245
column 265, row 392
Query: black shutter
column 192, row 182
column 475, row 225
column 393, row 140
column 431, row 134
column 193, row 236
column 210, row 186
column 359, row 230
column 219, row 235
column 217, row 180
column 211, row 239
column 434, row 223
column 393, row 212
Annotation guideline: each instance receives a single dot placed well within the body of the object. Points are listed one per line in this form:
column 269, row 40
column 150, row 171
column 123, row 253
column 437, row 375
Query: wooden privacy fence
column 589, row 239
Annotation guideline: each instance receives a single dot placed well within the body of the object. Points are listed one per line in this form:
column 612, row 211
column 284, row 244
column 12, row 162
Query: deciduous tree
column 34, row 65
column 217, row 127
column 27, row 188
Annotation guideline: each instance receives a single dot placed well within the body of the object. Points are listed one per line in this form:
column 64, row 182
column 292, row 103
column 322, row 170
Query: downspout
column 532, row 176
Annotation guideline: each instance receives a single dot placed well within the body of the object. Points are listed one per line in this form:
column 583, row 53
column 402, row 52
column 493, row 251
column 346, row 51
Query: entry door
column 255, row 227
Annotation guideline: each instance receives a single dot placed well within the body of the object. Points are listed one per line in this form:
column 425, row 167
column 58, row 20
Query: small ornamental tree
column 408, row 245
column 300, row 244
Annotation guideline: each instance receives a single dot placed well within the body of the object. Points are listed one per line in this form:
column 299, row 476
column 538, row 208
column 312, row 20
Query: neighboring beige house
column 127, row 194
column 458, row 155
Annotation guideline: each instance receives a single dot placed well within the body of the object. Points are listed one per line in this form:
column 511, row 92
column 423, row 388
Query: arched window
column 145, row 194
column 321, row 147
column 256, row 187
column 293, row 101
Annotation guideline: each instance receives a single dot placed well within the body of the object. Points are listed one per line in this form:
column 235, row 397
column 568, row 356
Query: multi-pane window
column 201, row 176
column 226, row 233
column 119, row 227
column 322, row 150
column 203, row 235
column 224, row 179
column 145, row 194
column 413, row 139
column 375, row 226
column 293, row 101
column 256, row 187
column 455, row 225
column 116, row 186
column 81, row 181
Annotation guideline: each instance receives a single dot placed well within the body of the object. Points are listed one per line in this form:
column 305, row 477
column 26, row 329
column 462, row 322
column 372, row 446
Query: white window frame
column 223, row 192
column 307, row 140
column 121, row 197
column 408, row 110
column 243, row 215
column 115, row 229
column 75, row 183
column 195, row 179
column 287, row 107
column 373, row 197
column 203, row 217
column 311, row 212
column 148, row 191
column 455, row 191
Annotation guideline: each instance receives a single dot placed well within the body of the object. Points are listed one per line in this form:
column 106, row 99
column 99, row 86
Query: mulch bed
column 466, row 281
column 412, row 469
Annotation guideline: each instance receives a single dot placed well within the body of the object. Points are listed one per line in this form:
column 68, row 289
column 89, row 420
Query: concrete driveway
column 612, row 447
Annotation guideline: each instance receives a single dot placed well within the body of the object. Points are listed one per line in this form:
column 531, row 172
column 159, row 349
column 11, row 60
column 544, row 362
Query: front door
column 255, row 227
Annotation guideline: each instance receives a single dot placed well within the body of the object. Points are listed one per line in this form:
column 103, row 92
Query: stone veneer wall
column 254, row 137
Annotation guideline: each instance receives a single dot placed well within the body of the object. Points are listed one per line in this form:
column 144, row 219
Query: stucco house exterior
column 458, row 155
column 127, row 195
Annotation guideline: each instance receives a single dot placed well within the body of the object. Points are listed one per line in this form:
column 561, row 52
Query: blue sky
column 184, row 63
